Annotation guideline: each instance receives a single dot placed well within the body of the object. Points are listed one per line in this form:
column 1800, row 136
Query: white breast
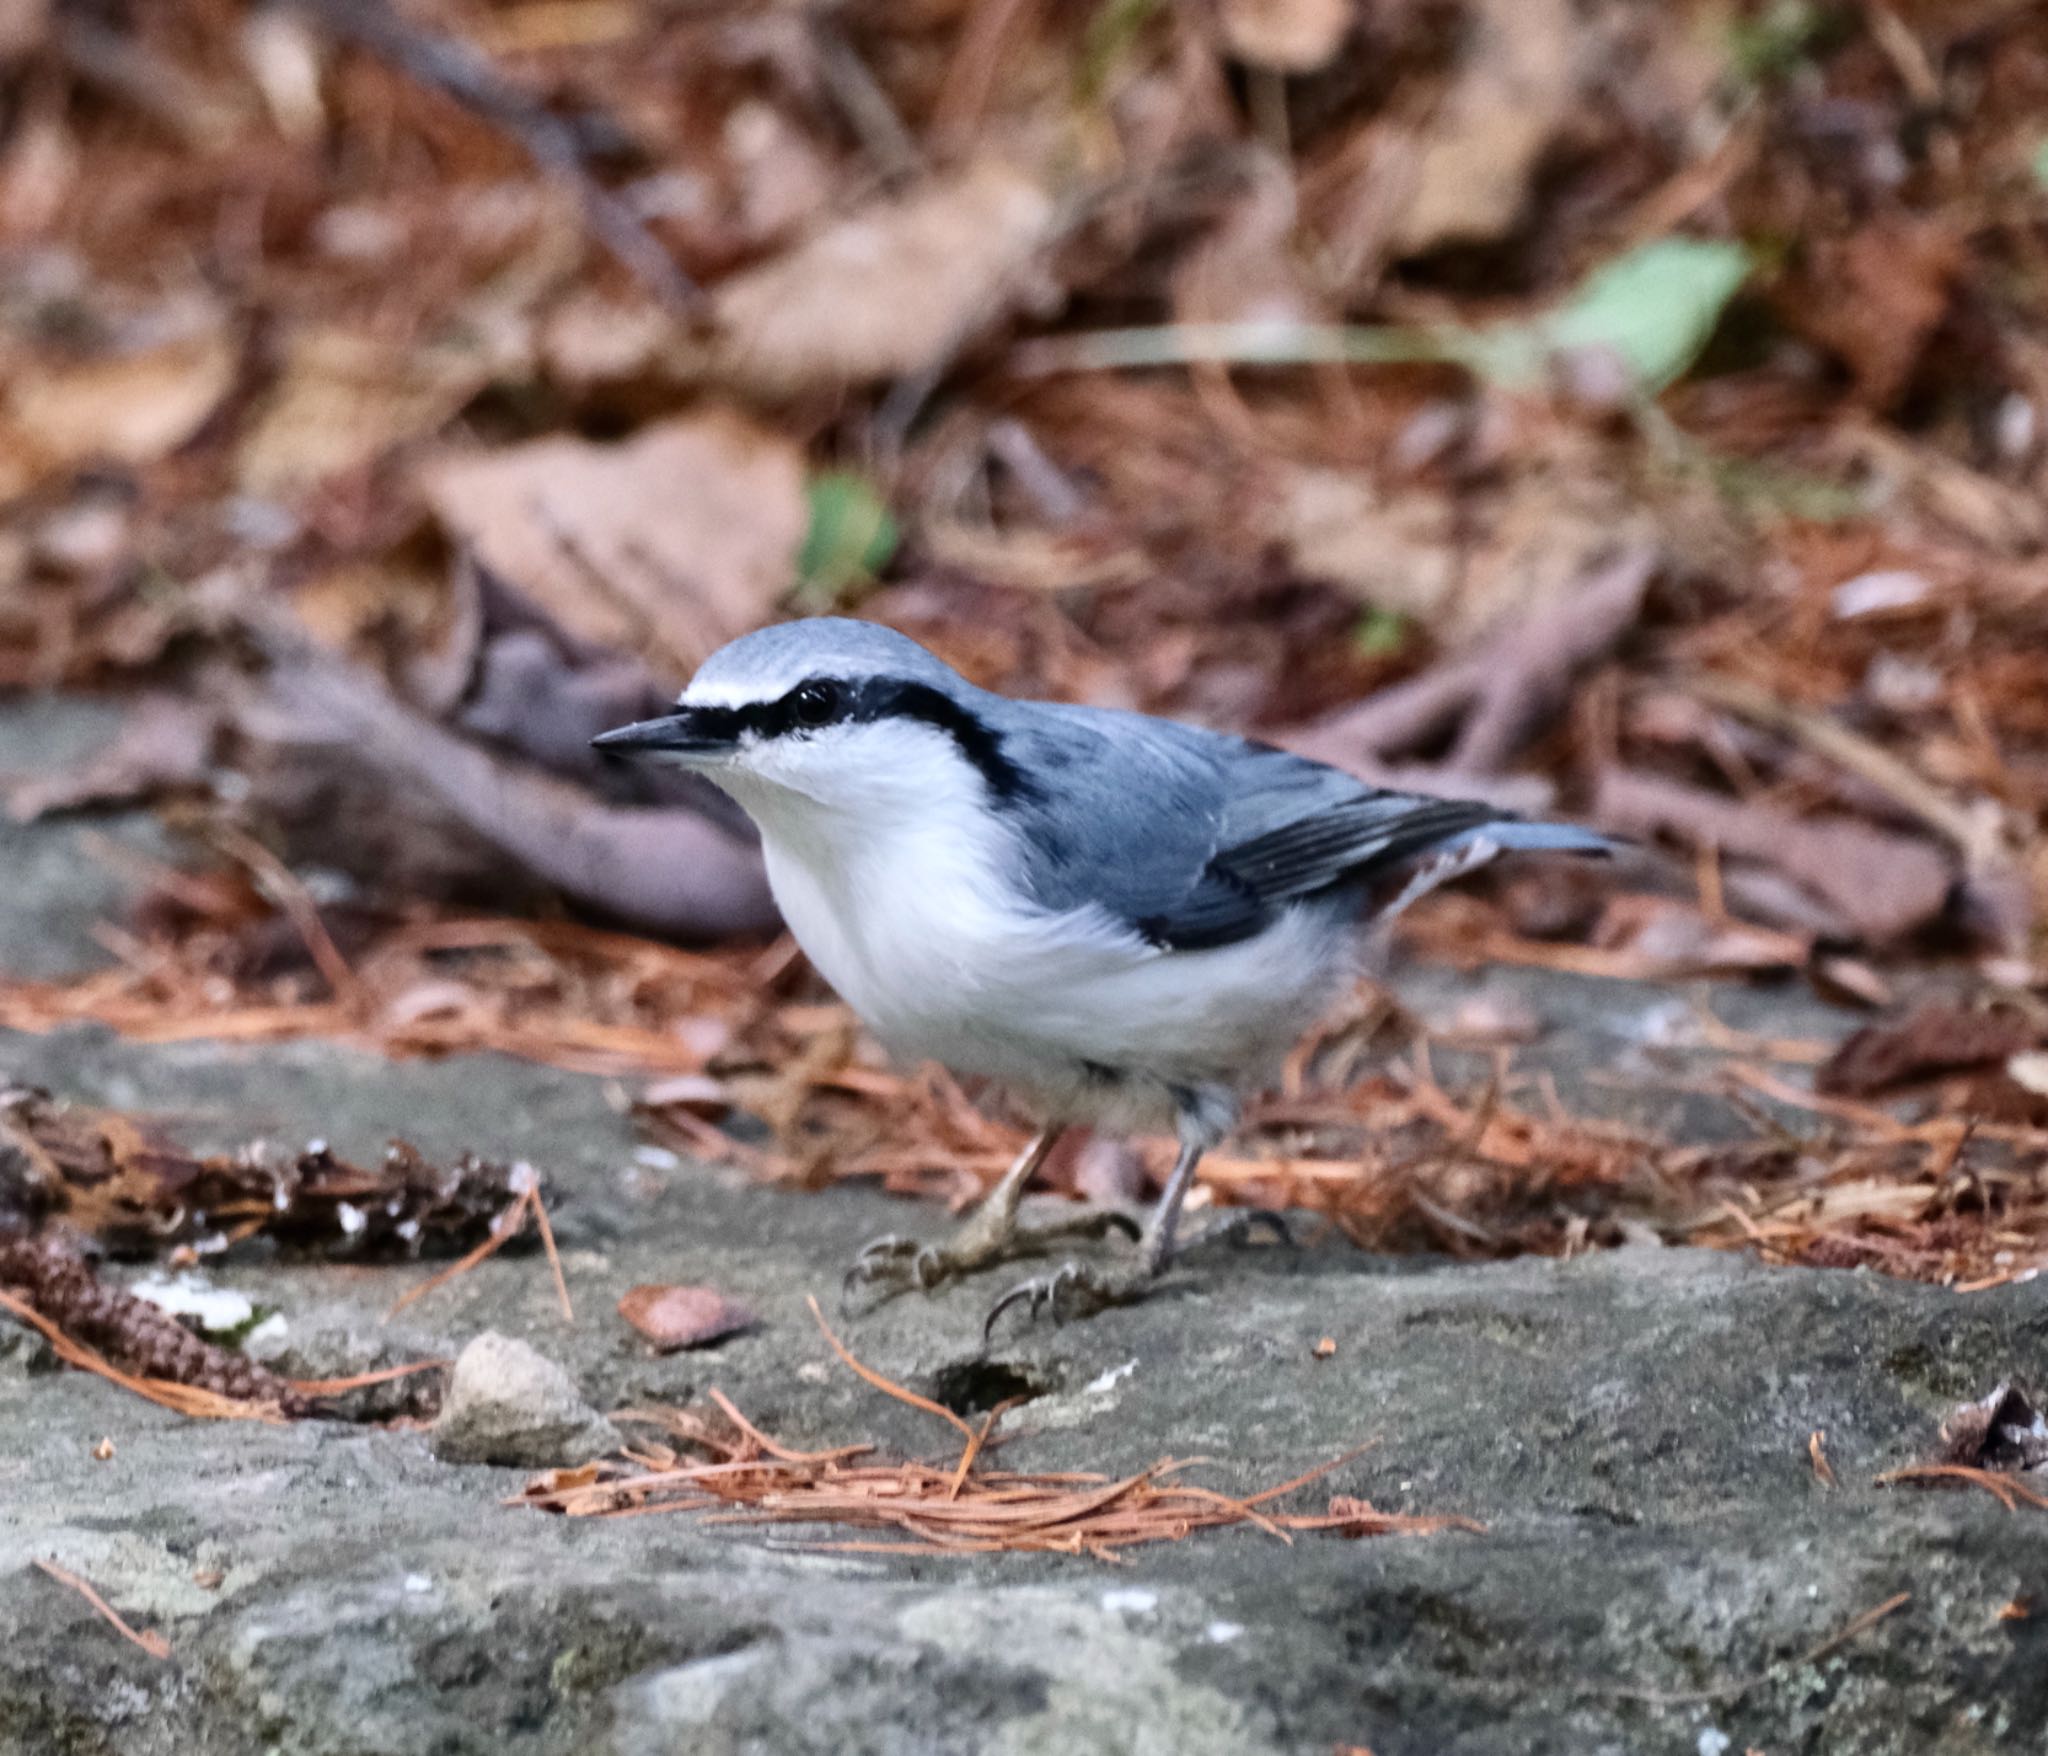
column 898, row 899
column 918, row 925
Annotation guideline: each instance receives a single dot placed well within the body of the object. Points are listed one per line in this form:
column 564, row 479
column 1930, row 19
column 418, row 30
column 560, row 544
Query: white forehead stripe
column 736, row 694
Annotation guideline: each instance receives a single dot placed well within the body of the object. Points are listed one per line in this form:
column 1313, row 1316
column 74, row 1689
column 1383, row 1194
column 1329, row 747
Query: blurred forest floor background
column 1633, row 410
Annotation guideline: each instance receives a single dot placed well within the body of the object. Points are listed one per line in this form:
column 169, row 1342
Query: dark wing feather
column 1354, row 842
column 1198, row 840
column 1245, row 884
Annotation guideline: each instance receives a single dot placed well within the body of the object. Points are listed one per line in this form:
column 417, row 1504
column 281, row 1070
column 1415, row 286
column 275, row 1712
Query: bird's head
column 846, row 715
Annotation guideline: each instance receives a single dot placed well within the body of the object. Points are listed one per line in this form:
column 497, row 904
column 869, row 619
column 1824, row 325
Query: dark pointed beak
column 686, row 732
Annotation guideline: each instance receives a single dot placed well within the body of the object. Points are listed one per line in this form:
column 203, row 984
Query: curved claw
column 882, row 1249
column 904, row 1262
column 1038, row 1292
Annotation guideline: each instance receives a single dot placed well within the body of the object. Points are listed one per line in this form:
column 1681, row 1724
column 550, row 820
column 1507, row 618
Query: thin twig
column 281, row 885
column 2003, row 1488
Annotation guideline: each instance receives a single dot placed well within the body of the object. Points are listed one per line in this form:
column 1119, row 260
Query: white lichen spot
column 1108, row 1381
column 215, row 1309
column 1222, row 1633
column 1130, row 1600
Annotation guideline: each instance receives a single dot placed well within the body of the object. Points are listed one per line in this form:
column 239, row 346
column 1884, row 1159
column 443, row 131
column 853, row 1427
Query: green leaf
column 1655, row 308
column 1380, row 633
column 1776, row 41
column 1111, row 34
column 851, row 538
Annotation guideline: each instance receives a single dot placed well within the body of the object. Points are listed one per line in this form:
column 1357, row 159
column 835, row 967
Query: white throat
column 891, row 877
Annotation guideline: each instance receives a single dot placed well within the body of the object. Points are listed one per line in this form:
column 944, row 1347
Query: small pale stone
column 509, row 1404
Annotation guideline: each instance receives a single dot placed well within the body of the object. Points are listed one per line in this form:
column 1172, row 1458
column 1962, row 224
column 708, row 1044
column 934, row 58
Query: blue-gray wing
column 1196, row 840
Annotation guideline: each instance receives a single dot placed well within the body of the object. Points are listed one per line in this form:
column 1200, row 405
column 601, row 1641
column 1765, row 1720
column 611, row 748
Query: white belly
column 943, row 961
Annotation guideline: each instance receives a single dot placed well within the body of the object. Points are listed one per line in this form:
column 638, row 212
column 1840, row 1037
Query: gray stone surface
column 65, row 876
column 1631, row 1427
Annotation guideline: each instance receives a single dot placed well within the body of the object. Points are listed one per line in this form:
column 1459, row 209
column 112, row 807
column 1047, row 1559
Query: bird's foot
column 1075, row 1289
column 896, row 1264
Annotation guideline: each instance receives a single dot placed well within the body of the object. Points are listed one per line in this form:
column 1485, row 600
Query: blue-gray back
column 1198, row 839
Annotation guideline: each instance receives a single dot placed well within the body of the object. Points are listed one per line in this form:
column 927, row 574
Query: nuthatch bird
column 1125, row 920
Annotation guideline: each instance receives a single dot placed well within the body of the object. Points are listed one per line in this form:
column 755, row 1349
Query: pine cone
column 133, row 1334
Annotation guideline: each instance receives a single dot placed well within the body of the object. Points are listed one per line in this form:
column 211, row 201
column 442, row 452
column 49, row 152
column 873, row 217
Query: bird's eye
column 814, row 703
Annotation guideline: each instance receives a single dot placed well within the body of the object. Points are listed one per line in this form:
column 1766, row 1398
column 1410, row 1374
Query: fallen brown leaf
column 126, row 408
column 1936, row 1038
column 664, row 546
column 1476, row 154
column 343, row 399
column 673, row 1317
column 1290, row 36
column 1876, row 296
column 884, row 292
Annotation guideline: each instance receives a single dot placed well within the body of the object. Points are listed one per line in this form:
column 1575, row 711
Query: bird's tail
column 1468, row 849
column 1513, row 835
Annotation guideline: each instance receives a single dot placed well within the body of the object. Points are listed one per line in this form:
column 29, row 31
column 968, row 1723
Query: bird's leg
column 990, row 1234
column 1076, row 1289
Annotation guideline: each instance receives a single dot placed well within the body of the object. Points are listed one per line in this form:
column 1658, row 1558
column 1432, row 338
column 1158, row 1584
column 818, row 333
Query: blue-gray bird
column 1126, row 920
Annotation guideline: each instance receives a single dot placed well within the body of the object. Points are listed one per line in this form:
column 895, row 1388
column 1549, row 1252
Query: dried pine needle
column 748, row 1477
column 148, row 1639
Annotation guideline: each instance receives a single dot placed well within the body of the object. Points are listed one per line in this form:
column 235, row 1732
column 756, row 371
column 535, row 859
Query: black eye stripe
column 818, row 702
